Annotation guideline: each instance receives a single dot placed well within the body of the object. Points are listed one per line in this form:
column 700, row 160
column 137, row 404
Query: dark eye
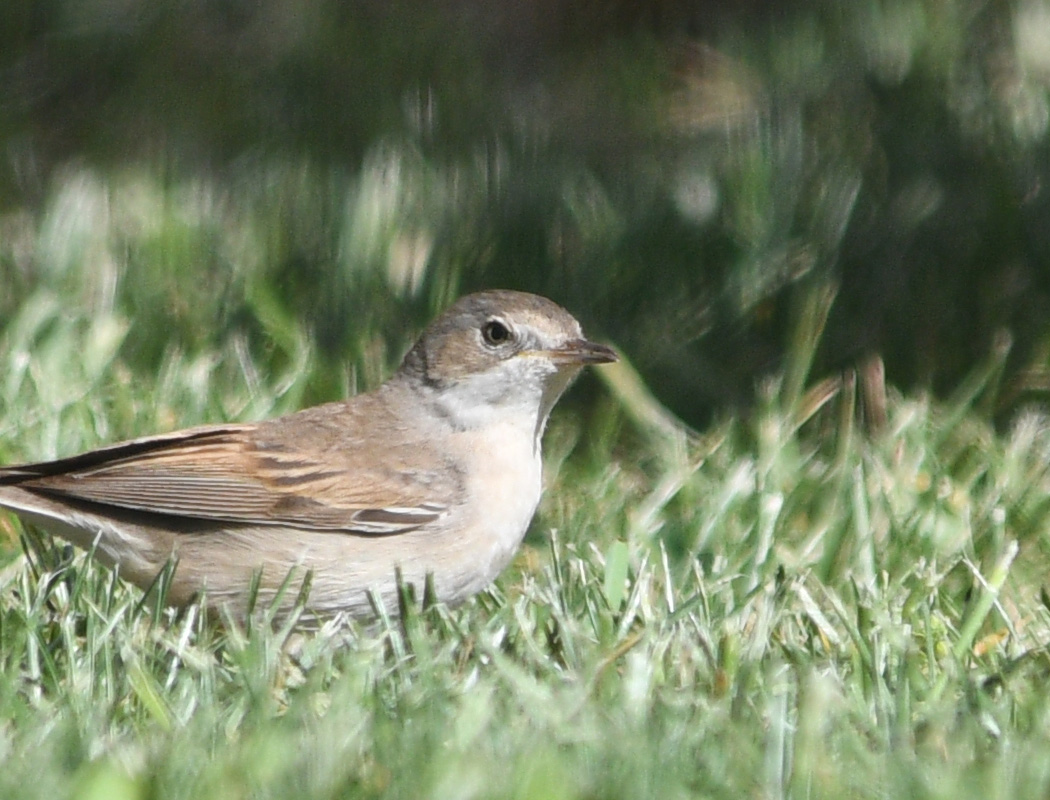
column 496, row 333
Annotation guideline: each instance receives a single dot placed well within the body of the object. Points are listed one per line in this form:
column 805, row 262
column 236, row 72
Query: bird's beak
column 580, row 351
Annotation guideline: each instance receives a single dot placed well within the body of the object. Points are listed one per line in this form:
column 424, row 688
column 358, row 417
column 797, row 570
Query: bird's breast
column 503, row 470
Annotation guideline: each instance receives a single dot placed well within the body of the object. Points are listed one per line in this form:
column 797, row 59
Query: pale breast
column 504, row 483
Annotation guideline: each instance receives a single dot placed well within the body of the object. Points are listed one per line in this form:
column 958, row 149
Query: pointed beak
column 580, row 351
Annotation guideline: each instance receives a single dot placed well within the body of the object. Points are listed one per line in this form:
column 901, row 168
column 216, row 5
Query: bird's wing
column 229, row 473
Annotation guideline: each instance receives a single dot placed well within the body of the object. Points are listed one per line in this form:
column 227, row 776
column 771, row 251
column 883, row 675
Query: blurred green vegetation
column 680, row 174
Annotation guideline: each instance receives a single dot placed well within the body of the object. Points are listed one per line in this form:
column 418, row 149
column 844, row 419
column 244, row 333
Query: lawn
column 839, row 592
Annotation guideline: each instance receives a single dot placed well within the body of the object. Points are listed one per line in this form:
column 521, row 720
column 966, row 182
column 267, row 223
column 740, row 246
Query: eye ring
column 496, row 332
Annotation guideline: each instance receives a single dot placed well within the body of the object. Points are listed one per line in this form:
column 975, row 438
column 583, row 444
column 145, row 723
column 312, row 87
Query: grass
column 792, row 603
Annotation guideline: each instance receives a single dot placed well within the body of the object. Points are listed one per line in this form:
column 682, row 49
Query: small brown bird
column 435, row 473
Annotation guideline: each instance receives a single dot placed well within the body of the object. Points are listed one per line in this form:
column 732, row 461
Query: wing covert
column 225, row 473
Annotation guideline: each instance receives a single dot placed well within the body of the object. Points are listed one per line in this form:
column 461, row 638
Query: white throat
column 515, row 394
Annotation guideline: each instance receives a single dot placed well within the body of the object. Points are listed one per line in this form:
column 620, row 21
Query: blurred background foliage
column 682, row 174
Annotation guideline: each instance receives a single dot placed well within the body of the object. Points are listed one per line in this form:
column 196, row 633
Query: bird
column 430, row 480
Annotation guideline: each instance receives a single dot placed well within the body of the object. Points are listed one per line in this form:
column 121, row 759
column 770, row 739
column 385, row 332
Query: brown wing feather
column 226, row 473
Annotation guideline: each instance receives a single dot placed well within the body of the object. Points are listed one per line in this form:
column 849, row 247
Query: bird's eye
column 496, row 333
